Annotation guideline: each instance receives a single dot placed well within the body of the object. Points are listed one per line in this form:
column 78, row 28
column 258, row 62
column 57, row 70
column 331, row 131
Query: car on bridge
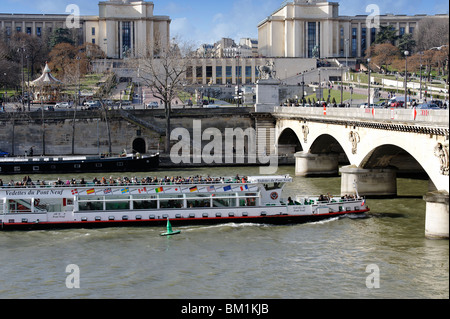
column 63, row 105
column 428, row 107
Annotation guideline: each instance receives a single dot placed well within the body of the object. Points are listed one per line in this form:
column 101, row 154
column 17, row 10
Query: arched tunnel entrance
column 139, row 146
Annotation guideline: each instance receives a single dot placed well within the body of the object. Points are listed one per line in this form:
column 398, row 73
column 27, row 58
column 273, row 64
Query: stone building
column 123, row 28
column 314, row 28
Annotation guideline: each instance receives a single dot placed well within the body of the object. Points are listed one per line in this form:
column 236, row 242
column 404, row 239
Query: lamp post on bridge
column 406, row 79
column 368, row 90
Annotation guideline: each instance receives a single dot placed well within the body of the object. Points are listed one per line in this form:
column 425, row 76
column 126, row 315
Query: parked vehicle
column 428, row 107
column 91, row 105
column 153, row 105
column 63, row 105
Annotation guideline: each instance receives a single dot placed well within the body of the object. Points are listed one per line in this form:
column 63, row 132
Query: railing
column 75, row 183
column 411, row 116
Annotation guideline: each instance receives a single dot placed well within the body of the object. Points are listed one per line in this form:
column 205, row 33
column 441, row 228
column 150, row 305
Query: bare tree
column 432, row 32
column 163, row 71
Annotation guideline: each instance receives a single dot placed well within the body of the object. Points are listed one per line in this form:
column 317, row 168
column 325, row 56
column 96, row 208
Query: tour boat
column 257, row 199
column 78, row 164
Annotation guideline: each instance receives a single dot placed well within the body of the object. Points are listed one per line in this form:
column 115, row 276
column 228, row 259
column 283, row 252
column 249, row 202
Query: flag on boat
column 211, row 189
column 363, row 202
column 74, row 192
column 244, row 188
column 227, row 188
column 125, row 190
column 107, row 191
column 142, row 190
column 193, row 189
column 159, row 190
column 90, row 191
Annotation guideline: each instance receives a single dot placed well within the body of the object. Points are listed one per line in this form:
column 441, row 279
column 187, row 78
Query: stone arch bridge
column 372, row 147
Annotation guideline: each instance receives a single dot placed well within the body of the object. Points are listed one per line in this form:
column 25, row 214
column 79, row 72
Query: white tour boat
column 256, row 199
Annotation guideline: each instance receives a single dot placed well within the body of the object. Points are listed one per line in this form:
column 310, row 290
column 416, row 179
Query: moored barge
column 78, row 164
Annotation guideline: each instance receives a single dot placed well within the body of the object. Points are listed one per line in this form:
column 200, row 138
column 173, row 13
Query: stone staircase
column 141, row 123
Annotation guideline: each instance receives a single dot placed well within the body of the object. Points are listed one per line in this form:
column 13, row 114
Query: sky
column 207, row 21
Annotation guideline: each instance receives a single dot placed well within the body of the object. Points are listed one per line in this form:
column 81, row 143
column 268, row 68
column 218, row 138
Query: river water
column 383, row 256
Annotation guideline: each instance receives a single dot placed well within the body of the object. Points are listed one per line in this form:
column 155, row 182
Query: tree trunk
column 167, row 142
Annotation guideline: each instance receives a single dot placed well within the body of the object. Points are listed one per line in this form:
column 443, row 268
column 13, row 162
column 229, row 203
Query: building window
column 8, row 31
column 209, row 73
column 19, row 29
column 354, row 42
column 199, row 74
column 373, row 34
column 126, row 36
column 411, row 30
column 93, row 41
column 248, row 74
column 228, row 73
column 239, row 74
column 311, row 38
column 93, row 31
column 363, row 41
column 38, row 31
column 402, row 31
column 29, row 30
column 218, row 74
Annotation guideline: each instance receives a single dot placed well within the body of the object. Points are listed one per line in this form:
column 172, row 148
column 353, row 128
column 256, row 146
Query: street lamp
column 342, row 84
column 420, row 53
column 368, row 90
column 303, row 89
column 406, row 78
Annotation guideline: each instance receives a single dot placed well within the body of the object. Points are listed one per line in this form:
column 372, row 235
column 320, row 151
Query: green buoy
column 169, row 230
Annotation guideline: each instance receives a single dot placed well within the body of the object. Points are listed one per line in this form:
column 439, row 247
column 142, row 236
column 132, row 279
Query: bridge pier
column 308, row 164
column 436, row 215
column 381, row 182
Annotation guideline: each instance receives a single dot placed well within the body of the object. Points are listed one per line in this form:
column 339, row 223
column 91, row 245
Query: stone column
column 381, row 182
column 308, row 164
column 436, row 216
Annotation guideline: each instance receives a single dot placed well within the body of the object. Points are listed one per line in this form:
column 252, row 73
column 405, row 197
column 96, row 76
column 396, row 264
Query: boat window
column 144, row 204
column 90, row 203
column 223, row 202
column 248, row 199
column 171, row 203
column 20, row 206
column 118, row 203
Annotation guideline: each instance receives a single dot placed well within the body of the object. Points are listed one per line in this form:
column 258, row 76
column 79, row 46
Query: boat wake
column 325, row 221
column 223, row 226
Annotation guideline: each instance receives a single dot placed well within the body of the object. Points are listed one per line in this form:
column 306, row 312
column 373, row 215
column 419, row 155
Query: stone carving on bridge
column 354, row 139
column 267, row 72
column 305, row 130
column 441, row 151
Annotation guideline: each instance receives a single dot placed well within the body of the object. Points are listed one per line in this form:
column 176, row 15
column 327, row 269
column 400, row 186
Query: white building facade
column 314, row 28
column 123, row 28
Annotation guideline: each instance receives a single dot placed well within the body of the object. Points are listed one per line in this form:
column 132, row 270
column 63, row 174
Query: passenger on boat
column 290, row 201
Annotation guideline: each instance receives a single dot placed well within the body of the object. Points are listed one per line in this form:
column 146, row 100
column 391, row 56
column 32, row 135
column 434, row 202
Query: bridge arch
column 289, row 143
column 389, row 155
column 327, row 144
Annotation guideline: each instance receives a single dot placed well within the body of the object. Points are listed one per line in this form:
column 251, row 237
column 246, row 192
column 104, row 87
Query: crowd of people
column 126, row 181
